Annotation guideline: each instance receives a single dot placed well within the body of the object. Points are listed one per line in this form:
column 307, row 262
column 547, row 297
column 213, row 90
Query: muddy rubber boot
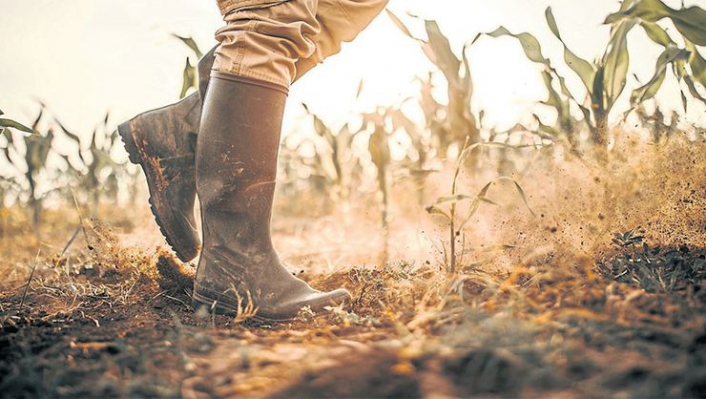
column 163, row 142
column 236, row 166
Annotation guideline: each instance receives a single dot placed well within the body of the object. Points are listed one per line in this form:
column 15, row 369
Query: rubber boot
column 236, row 165
column 163, row 143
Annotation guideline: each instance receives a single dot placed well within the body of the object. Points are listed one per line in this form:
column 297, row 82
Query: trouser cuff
column 251, row 81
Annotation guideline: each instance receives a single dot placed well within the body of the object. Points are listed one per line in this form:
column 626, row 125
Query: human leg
column 168, row 162
column 236, row 164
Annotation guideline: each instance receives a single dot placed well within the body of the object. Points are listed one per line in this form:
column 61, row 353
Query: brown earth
column 101, row 322
column 563, row 312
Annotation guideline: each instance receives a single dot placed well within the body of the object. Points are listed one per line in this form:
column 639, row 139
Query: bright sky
column 84, row 57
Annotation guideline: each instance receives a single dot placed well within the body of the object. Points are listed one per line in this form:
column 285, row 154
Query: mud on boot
column 236, row 167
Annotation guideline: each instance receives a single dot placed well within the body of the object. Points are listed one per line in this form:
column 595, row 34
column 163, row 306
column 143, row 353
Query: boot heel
column 129, row 143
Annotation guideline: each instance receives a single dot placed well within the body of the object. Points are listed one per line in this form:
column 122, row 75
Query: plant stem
column 452, row 231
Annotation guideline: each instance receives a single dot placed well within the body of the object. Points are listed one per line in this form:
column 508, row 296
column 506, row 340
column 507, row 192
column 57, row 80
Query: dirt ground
column 621, row 317
column 89, row 328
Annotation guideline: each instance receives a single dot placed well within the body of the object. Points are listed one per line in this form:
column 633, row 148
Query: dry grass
column 564, row 311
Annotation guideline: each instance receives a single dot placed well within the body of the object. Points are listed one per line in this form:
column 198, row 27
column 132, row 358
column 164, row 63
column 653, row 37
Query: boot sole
column 215, row 307
column 135, row 154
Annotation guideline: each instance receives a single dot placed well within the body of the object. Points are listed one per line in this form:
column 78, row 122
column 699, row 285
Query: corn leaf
column 446, row 60
column 521, row 193
column 68, row 134
column 554, row 99
column 5, row 123
column 650, row 89
column 550, row 130
column 467, row 82
column 697, row 63
column 657, row 34
column 616, row 64
column 581, row 67
column 189, row 42
column 400, row 25
column 188, row 79
column 530, row 44
column 688, row 21
column 692, row 89
column 452, row 199
column 433, row 210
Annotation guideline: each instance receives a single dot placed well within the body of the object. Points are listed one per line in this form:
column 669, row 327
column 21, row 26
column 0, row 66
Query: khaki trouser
column 277, row 41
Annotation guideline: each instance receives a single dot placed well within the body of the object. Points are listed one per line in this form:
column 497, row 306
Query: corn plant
column 6, row 124
column 379, row 149
column 8, row 185
column 686, row 62
column 605, row 78
column 28, row 154
column 458, row 121
column 98, row 174
column 333, row 163
column 449, row 207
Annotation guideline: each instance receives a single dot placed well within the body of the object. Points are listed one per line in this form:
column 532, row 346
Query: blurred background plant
column 190, row 79
column 398, row 149
column 49, row 162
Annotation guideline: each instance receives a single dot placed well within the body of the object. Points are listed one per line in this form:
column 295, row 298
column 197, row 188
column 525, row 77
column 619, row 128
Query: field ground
column 572, row 319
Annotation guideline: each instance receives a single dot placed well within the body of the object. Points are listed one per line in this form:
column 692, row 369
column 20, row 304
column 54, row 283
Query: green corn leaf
column 554, row 97
column 189, row 79
column 446, row 60
column 650, row 89
column 189, row 42
column 683, row 100
column 530, row 44
column 552, row 131
column 581, row 67
column 688, row 21
column 697, row 63
column 598, row 91
column 657, row 34
column 320, row 127
column 475, row 205
column 692, row 89
column 626, row 4
column 586, row 115
column 15, row 125
column 616, row 64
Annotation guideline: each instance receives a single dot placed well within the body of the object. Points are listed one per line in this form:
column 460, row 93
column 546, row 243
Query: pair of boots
column 231, row 163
